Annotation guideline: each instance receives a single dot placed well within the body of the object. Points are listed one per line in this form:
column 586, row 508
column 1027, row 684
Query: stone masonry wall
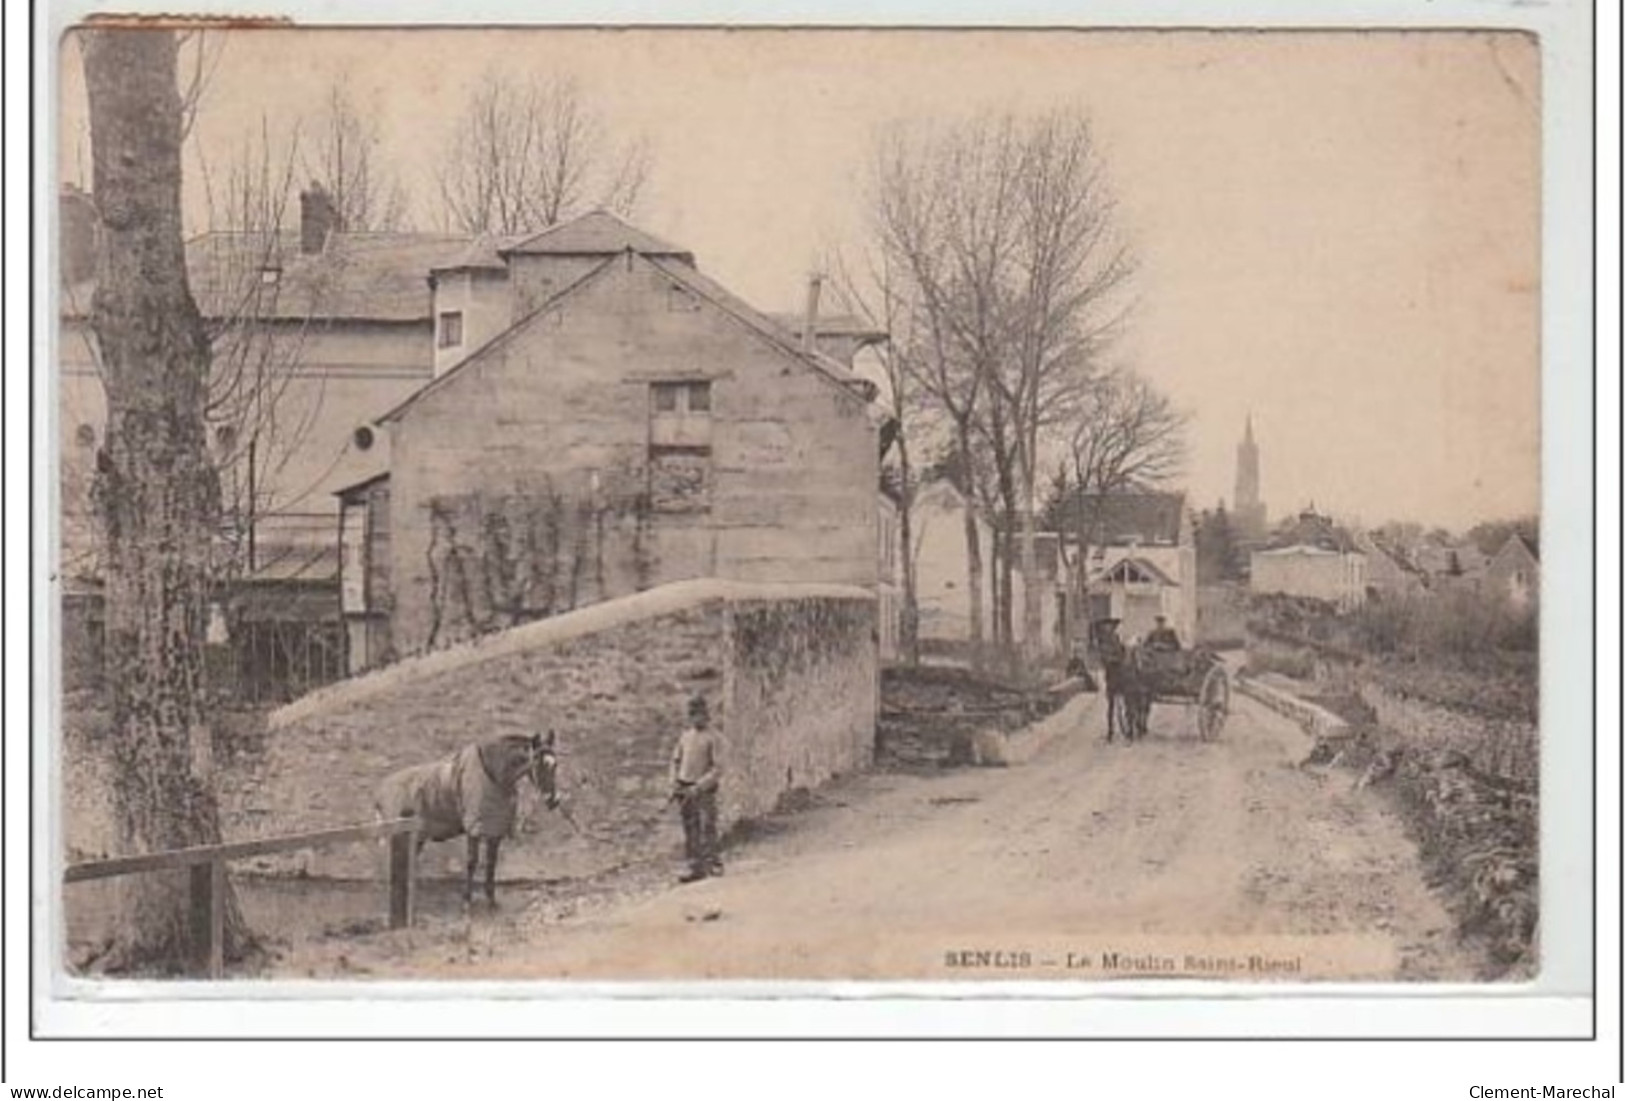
column 793, row 695
column 801, row 685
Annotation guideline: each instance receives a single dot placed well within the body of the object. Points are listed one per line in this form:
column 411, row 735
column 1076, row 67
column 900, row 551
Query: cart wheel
column 1213, row 704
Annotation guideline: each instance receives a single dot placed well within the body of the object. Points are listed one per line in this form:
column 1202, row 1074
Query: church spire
column 1249, row 511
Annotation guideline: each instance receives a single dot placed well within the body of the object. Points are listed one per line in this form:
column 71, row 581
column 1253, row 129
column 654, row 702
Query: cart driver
column 1163, row 638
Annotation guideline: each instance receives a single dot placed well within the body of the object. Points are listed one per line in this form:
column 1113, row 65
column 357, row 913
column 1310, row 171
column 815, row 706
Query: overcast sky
column 1338, row 233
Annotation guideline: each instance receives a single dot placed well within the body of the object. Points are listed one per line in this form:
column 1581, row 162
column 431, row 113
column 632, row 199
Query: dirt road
column 1170, row 858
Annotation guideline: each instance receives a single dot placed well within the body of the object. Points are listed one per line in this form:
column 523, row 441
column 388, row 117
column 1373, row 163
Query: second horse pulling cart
column 1194, row 678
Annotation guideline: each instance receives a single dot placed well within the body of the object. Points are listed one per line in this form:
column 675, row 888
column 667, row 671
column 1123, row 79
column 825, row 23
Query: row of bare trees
column 999, row 267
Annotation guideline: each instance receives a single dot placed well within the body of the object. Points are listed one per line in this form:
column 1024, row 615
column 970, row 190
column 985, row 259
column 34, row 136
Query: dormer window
column 451, row 329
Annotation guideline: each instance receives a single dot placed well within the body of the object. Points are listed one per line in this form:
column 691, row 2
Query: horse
column 473, row 791
column 1128, row 698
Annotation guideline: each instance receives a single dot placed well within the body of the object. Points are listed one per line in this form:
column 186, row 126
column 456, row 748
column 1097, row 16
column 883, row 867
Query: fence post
column 402, row 876
column 203, row 920
column 217, row 918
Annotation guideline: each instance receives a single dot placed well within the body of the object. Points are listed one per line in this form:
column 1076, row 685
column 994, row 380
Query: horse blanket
column 452, row 796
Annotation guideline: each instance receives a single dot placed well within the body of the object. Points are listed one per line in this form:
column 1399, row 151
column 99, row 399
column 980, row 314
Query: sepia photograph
column 828, row 505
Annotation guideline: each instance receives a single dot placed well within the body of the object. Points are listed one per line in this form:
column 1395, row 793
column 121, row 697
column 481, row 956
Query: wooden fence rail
column 208, row 870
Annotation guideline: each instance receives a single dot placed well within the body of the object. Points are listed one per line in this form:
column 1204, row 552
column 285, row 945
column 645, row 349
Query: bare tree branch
column 1008, row 235
column 341, row 158
column 530, row 155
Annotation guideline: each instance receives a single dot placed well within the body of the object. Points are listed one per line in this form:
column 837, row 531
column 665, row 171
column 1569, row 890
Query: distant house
column 1514, row 574
column 942, row 570
column 1311, row 556
column 1445, row 563
column 1140, row 559
column 603, row 418
column 1388, row 574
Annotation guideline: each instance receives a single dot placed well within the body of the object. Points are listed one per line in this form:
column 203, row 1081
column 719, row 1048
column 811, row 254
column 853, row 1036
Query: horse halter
column 543, row 771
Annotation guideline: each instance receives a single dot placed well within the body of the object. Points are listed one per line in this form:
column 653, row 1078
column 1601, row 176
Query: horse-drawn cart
column 1194, row 678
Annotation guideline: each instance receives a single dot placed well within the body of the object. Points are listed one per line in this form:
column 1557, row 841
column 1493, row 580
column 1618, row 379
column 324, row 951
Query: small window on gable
column 681, row 397
column 451, row 328
column 680, row 414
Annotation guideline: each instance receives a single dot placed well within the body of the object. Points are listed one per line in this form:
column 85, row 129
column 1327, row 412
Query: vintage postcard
column 986, row 507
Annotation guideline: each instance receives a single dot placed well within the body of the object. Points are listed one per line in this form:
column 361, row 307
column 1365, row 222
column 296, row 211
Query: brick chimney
column 318, row 217
column 77, row 235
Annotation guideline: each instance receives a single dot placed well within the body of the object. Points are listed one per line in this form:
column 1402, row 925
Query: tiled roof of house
column 598, row 233
column 358, row 276
column 481, row 254
column 1118, row 519
column 366, row 276
column 1309, row 529
column 1444, row 558
column 838, row 325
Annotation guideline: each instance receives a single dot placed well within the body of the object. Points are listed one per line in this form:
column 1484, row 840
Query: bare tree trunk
column 158, row 493
column 1007, row 565
column 911, row 599
column 1032, row 612
column 1004, row 586
column 973, row 561
column 973, row 554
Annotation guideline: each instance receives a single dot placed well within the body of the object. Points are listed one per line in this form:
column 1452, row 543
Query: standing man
column 696, row 772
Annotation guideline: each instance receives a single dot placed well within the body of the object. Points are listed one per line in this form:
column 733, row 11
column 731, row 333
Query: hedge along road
column 1088, row 861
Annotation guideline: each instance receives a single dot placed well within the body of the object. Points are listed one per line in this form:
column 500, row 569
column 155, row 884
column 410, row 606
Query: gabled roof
column 1118, row 519
column 1516, row 546
column 1119, row 570
column 599, row 230
column 357, row 277
column 599, row 233
column 502, row 338
column 734, row 306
